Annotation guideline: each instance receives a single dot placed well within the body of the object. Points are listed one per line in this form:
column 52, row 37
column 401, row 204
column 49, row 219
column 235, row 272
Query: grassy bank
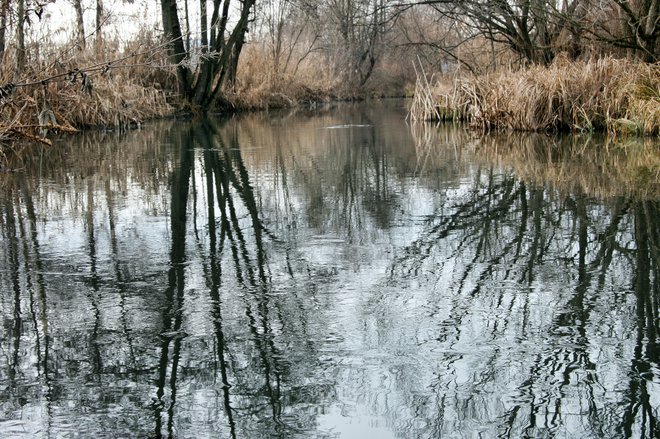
column 260, row 85
column 58, row 94
column 263, row 84
column 617, row 96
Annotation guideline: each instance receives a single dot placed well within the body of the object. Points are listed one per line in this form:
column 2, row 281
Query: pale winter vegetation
column 73, row 63
column 544, row 65
column 614, row 95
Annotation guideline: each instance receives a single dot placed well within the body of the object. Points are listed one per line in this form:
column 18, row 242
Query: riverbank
column 620, row 97
column 56, row 95
column 91, row 91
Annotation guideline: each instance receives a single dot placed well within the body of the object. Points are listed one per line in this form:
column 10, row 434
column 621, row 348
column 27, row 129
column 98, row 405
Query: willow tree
column 200, row 78
column 357, row 29
column 80, row 23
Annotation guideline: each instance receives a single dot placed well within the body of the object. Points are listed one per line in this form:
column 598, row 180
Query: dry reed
column 613, row 95
column 60, row 95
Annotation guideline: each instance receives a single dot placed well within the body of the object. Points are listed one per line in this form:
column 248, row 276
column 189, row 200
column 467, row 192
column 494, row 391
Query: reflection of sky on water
column 358, row 424
column 375, row 301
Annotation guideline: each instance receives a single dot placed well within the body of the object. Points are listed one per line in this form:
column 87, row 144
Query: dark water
column 334, row 274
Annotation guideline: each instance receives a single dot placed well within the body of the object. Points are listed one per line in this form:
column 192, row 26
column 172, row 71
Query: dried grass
column 613, row 95
column 53, row 96
column 261, row 86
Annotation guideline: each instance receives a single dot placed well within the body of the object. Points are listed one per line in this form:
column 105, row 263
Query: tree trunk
column 214, row 71
column 172, row 28
column 99, row 25
column 233, row 62
column 4, row 8
column 204, row 24
column 80, row 24
column 20, row 37
column 232, row 47
column 651, row 31
column 187, row 18
column 641, row 21
column 201, row 89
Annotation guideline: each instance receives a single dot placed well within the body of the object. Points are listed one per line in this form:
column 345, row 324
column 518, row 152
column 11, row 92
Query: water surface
column 326, row 274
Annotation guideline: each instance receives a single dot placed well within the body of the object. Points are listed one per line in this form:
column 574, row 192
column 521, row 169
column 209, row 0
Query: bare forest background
column 101, row 64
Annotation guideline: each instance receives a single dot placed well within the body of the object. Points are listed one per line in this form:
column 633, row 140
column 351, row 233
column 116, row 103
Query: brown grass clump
column 53, row 96
column 613, row 95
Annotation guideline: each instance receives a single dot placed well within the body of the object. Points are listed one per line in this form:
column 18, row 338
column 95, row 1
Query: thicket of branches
column 538, row 30
column 356, row 36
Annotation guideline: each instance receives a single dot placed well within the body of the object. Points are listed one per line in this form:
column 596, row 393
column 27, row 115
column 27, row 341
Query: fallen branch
column 31, row 137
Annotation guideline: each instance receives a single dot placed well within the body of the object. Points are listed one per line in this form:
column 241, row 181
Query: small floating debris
column 337, row 127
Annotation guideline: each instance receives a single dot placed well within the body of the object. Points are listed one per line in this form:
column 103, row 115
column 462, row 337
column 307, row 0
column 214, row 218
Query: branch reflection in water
column 328, row 274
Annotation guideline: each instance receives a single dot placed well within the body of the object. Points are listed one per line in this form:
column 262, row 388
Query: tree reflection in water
column 274, row 277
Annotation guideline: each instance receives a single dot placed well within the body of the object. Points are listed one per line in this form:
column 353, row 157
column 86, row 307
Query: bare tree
column 358, row 28
column 290, row 31
column 537, row 30
column 633, row 25
column 80, row 24
column 4, row 11
column 275, row 15
column 200, row 83
column 20, row 36
column 436, row 40
column 100, row 13
column 531, row 28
